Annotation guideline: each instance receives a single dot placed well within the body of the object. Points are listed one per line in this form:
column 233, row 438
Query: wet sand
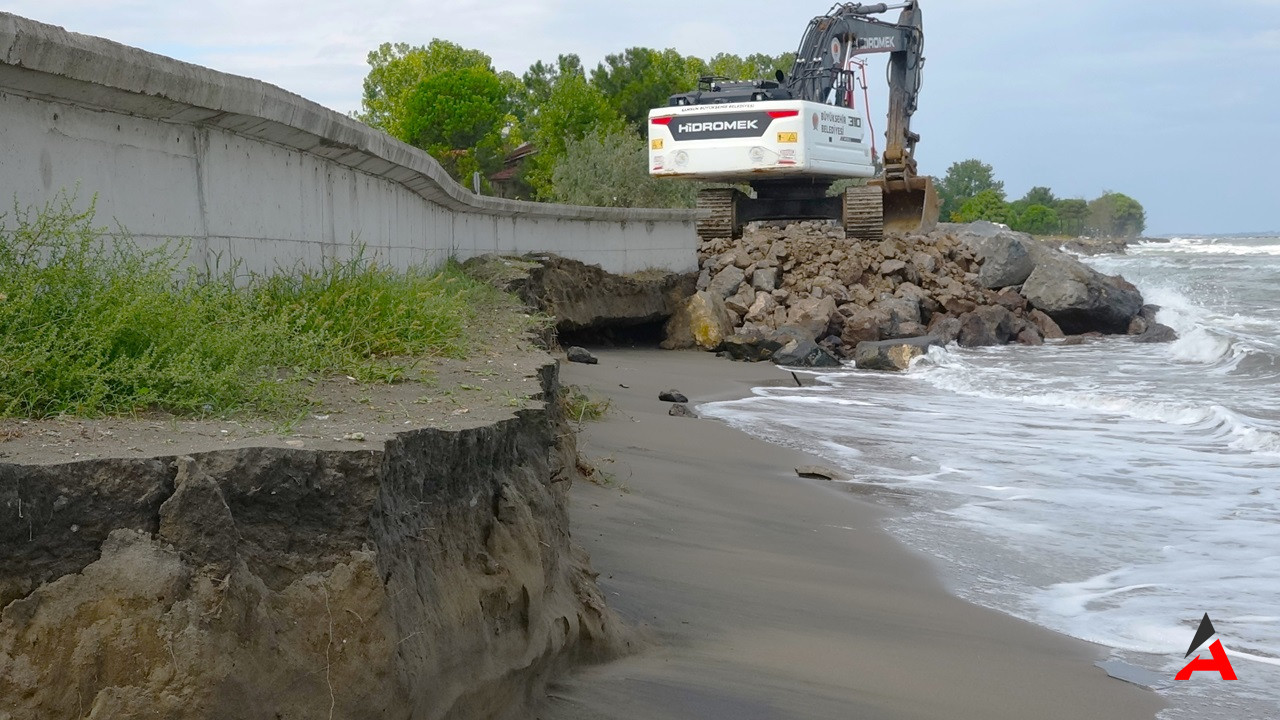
column 764, row 595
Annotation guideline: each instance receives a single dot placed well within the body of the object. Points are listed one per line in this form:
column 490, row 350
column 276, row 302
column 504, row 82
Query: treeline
column 585, row 125
column 969, row 192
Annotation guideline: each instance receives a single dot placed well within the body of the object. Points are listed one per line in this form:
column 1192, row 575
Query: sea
column 1113, row 491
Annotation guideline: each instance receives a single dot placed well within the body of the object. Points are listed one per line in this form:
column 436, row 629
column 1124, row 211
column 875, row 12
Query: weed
column 579, row 407
column 93, row 324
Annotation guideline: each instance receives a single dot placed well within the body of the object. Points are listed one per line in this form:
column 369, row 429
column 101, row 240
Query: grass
column 91, row 324
column 580, row 407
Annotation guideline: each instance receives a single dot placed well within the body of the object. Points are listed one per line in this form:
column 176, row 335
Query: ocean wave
column 1209, row 246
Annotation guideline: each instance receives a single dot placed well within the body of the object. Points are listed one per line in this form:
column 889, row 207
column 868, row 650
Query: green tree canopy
column 572, row 109
column 458, row 116
column 610, row 169
column 395, row 71
column 1117, row 215
column 1038, row 195
column 1073, row 213
column 964, row 180
column 1037, row 220
column 541, row 77
column 752, row 67
column 640, row 79
column 987, row 204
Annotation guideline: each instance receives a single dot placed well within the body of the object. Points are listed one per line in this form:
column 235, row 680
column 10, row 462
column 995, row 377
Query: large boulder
column 986, row 326
column 750, row 346
column 1005, row 260
column 805, row 353
column 812, row 314
column 725, row 283
column 892, row 355
column 703, row 321
column 1079, row 298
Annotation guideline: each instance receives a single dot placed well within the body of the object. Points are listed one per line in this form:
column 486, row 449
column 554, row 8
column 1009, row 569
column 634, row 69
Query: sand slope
column 768, row 596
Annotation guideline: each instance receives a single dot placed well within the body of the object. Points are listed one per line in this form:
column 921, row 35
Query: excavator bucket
column 910, row 206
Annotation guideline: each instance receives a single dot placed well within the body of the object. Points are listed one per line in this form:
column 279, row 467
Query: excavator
column 791, row 137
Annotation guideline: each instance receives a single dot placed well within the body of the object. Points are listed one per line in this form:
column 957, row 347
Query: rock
column 1030, row 336
column 909, row 329
column 1148, row 312
column 703, row 321
column 863, row 324
column 580, row 355
column 959, row 306
column 765, row 279
column 704, row 278
column 1079, row 298
column 805, row 353
column 681, row 410
column 1157, row 333
column 892, row 355
column 750, row 346
column 812, row 314
column 819, row 472
column 946, row 329
column 890, row 267
column 1005, row 260
column 742, row 301
column 1138, row 325
column 672, row 396
column 197, row 521
column 1047, row 327
column 986, row 326
column 1010, row 299
column 904, row 314
column 726, row 282
column 761, row 308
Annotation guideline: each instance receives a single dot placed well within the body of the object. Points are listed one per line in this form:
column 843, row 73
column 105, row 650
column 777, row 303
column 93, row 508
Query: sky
column 1176, row 103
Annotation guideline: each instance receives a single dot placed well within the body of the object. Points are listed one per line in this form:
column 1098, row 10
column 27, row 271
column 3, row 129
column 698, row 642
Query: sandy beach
column 764, row 595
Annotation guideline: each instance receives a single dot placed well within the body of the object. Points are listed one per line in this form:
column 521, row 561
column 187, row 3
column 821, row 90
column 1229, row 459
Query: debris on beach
column 672, row 396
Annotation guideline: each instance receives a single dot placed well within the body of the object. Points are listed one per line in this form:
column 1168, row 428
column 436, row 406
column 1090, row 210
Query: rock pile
column 789, row 292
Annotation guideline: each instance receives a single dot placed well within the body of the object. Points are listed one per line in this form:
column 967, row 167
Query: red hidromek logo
column 1217, row 662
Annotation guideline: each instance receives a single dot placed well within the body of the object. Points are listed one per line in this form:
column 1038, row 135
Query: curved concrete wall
column 250, row 172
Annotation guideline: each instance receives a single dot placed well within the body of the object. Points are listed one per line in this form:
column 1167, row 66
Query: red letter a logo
column 1219, row 663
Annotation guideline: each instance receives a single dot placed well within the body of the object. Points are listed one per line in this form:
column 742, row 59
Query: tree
column 753, row 67
column 458, row 116
column 1038, row 195
column 395, row 71
column 610, row 169
column 639, row 79
column 541, row 77
column 964, row 180
column 1116, row 215
column 988, row 204
column 572, row 109
column 1073, row 213
column 1037, row 220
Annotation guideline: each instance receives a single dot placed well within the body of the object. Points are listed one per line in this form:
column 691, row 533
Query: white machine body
column 751, row 141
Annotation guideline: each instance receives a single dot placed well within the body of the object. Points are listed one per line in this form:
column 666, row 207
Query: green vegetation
column 93, row 325
column 969, row 192
column 579, row 407
column 449, row 101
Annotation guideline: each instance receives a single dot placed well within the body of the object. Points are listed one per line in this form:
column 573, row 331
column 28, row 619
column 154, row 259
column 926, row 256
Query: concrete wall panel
column 252, row 174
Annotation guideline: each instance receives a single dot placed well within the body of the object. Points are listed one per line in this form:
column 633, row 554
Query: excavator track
column 864, row 213
column 722, row 225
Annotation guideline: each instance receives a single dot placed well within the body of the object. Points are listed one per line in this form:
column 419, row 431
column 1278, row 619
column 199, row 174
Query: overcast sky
column 1174, row 102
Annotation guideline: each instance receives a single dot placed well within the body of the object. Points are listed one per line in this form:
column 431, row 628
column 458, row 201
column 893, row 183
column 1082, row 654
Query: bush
column 92, row 324
column 611, row 169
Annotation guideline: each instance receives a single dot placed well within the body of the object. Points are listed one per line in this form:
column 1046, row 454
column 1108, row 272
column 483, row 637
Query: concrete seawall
column 249, row 172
